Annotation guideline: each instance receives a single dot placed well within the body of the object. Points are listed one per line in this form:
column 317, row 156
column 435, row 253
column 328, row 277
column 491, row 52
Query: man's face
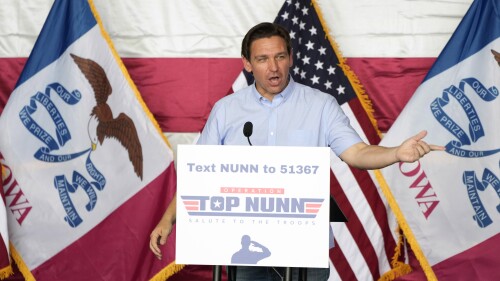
column 270, row 64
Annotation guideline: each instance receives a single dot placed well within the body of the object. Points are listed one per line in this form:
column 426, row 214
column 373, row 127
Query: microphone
column 247, row 130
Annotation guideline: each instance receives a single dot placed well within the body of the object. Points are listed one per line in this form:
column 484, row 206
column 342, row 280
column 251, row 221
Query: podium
column 230, row 198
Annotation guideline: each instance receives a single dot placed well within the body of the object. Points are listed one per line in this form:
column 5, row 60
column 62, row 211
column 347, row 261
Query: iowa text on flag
column 366, row 243
column 448, row 202
column 91, row 165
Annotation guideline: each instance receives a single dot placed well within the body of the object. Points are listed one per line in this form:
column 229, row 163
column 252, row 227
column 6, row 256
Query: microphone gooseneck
column 247, row 130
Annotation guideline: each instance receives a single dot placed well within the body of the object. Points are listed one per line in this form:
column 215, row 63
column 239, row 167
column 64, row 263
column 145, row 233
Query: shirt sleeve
column 339, row 132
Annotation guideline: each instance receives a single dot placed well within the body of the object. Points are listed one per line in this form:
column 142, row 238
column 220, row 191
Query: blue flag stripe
column 57, row 34
column 473, row 33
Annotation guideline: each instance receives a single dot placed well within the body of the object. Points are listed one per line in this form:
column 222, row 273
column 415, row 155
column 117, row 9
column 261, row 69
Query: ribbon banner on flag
column 448, row 202
column 89, row 162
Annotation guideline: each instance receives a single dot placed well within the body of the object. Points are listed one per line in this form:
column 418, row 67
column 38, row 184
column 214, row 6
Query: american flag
column 365, row 245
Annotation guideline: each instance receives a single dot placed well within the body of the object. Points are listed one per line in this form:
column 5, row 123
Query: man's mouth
column 274, row 80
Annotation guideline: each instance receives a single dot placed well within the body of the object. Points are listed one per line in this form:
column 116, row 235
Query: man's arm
column 163, row 228
column 364, row 156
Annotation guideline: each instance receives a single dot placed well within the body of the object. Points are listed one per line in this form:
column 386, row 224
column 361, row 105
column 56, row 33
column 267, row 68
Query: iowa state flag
column 92, row 172
column 448, row 202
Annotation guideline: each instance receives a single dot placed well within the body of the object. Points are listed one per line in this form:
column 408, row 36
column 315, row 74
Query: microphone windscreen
column 247, row 129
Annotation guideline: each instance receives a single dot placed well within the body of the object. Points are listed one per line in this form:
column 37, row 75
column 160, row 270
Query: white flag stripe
column 354, row 121
column 351, row 251
column 355, row 124
column 191, row 28
column 20, row 24
column 154, row 28
column 393, row 28
column 333, row 273
column 240, row 81
column 365, row 215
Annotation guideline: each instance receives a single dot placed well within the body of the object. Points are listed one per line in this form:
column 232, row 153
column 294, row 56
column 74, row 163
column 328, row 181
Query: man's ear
column 246, row 64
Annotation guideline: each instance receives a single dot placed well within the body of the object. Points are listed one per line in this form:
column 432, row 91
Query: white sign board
column 253, row 205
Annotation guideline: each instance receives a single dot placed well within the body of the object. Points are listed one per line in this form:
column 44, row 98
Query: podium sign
column 253, row 205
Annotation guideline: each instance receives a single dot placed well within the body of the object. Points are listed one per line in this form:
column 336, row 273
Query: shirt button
column 272, row 133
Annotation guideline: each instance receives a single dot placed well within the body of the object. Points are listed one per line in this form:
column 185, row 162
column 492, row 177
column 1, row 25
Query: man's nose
column 273, row 64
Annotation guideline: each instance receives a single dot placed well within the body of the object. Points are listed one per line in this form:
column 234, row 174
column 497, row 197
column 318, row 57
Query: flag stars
column 319, row 65
column 315, row 80
column 310, row 54
column 328, row 84
column 331, row 70
column 303, row 74
column 306, row 59
column 340, row 90
column 322, row 51
column 310, row 45
column 285, row 16
column 313, row 31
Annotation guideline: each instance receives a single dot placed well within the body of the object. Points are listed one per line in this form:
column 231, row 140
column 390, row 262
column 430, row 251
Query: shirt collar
column 281, row 96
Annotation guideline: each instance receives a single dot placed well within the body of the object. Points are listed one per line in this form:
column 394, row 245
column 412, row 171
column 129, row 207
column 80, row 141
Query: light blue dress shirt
column 298, row 116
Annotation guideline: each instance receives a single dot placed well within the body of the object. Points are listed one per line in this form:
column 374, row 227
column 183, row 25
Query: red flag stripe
column 378, row 207
column 355, row 227
column 192, row 101
column 371, row 195
column 366, row 127
column 390, row 82
column 341, row 264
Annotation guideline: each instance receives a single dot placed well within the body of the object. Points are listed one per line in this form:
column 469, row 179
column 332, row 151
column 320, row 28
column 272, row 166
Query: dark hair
column 264, row 30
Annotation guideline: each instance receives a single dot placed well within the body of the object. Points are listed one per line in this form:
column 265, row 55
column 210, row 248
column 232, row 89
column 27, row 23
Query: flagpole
column 288, row 274
column 217, row 273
